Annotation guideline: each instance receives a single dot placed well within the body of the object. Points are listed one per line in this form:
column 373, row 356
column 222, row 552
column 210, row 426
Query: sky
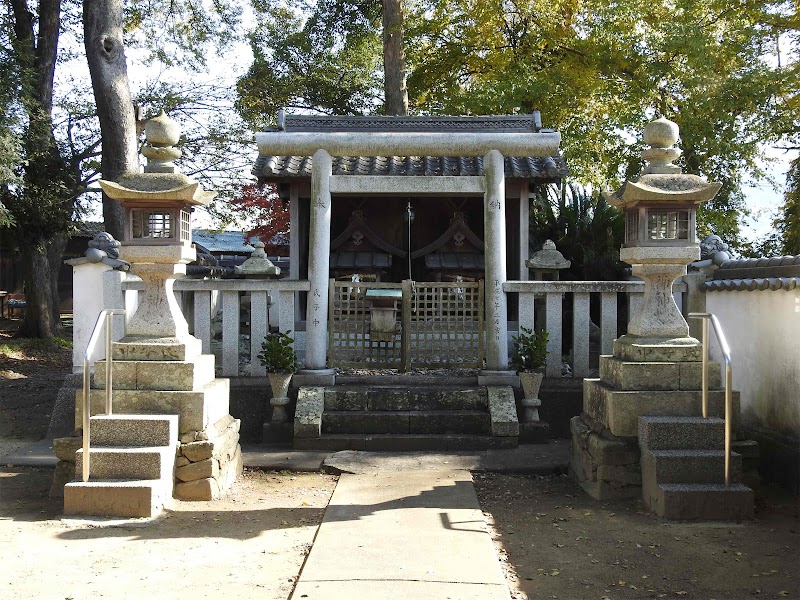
column 763, row 197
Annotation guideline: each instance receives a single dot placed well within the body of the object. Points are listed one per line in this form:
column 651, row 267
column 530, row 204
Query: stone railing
column 550, row 296
column 247, row 307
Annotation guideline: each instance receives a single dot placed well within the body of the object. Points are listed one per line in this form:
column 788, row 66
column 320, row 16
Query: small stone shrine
column 159, row 370
column 640, row 431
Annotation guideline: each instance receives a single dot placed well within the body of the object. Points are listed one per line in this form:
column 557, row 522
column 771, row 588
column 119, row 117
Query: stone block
column 197, row 451
column 143, row 348
column 626, row 375
column 199, row 489
column 332, row 443
column 158, row 374
column 196, row 409
column 676, row 433
column 134, row 430
column 389, row 399
column 62, row 475
column 462, row 399
column 450, row 422
column 620, row 474
column 127, row 463
column 345, row 399
column 114, row 498
column 619, row 410
column 198, row 470
column 503, row 411
column 66, row 447
column 689, row 466
column 691, row 375
column 631, row 348
column 180, row 461
column 308, row 413
column 703, row 502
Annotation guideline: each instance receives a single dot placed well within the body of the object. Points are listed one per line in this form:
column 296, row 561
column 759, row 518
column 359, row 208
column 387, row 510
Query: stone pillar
column 494, row 212
column 319, row 250
column 87, row 278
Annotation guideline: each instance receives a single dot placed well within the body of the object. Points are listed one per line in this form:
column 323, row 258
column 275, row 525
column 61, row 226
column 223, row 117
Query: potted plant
column 278, row 356
column 528, row 356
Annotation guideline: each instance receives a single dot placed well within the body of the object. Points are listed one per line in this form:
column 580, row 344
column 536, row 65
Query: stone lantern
column 547, row 262
column 157, row 238
column 660, row 209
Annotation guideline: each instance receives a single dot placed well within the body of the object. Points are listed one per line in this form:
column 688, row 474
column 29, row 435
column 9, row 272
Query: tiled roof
column 778, row 266
column 228, row 241
column 750, row 274
column 543, row 168
column 493, row 123
column 455, row 260
column 360, row 260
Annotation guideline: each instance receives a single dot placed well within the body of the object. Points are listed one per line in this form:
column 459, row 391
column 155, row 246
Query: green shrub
column 277, row 353
column 529, row 349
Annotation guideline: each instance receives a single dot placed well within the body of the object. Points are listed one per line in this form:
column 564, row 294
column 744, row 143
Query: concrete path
column 395, row 534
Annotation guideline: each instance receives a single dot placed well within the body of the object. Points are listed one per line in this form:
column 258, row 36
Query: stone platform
column 158, row 376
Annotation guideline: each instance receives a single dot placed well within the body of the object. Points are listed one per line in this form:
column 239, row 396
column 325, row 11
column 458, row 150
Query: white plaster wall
column 763, row 331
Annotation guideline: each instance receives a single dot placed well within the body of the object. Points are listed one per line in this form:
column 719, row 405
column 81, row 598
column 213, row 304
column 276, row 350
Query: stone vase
column 531, row 381
column 279, row 382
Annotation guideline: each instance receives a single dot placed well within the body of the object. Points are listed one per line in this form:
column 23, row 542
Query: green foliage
column 277, row 353
column 600, row 70
column 789, row 221
column 528, row 349
column 585, row 228
column 325, row 56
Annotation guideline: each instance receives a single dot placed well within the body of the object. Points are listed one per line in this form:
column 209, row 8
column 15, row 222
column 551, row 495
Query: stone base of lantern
column 536, row 432
column 643, row 378
column 170, row 376
column 277, row 433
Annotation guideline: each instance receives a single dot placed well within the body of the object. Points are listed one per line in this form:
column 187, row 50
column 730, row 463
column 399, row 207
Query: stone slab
column 114, row 498
column 384, row 533
column 675, row 433
column 628, row 375
column 127, row 463
column 158, row 374
column 619, row 410
column 704, row 502
column 503, row 411
column 159, row 349
column 196, row 409
column 133, row 430
column 308, row 412
column 631, row 348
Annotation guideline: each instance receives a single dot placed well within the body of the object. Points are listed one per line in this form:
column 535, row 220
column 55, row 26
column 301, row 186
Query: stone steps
column 127, row 477
column 403, row 442
column 689, row 466
column 675, row 433
column 697, row 501
column 133, row 430
column 407, row 422
column 682, row 462
column 123, row 498
column 397, row 417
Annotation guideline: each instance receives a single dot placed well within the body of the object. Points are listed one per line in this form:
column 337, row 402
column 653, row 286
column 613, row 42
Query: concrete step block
column 688, row 466
column 158, row 374
column 404, row 442
column 473, row 422
column 134, row 430
column 196, row 409
column 142, row 348
column 349, row 421
column 627, row 375
column 619, row 410
column 128, row 463
column 407, row 422
column 130, row 498
column 712, row 502
column 404, row 398
column 678, row 433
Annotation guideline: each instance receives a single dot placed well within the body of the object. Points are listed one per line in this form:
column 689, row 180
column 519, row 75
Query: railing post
column 553, row 308
column 705, row 368
column 405, row 327
column 109, row 363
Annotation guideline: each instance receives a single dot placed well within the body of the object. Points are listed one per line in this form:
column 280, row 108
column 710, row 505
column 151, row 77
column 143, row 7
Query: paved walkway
column 395, row 534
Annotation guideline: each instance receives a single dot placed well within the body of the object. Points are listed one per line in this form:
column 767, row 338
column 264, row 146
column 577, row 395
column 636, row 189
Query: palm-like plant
column 586, row 229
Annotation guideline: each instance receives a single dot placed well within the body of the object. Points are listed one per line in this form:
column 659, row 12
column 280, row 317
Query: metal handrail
column 104, row 318
column 726, row 355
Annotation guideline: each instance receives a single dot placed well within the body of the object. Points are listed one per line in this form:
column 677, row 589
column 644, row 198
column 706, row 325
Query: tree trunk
column 39, row 321
column 105, row 52
column 394, row 76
